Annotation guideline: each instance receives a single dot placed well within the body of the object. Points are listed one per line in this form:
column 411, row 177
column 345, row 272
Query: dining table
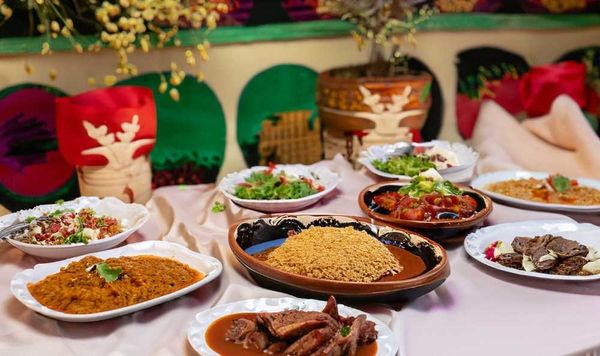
column 476, row 311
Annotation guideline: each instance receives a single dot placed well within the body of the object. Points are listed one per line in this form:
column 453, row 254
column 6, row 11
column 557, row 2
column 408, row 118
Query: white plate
column 480, row 183
column 131, row 217
column 387, row 342
column 208, row 265
column 322, row 176
column 465, row 154
column 586, row 234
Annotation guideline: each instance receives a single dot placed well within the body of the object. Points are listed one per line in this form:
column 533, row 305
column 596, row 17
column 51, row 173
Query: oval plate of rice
column 345, row 256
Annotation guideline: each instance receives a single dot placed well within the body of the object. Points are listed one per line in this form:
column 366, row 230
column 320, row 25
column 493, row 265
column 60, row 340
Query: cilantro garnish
column 29, row 219
column 59, row 202
column 58, row 212
column 345, row 331
column 77, row 237
column 560, row 183
column 218, row 207
column 109, row 274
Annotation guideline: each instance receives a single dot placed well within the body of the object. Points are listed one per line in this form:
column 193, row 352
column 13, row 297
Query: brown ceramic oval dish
column 247, row 234
column 437, row 230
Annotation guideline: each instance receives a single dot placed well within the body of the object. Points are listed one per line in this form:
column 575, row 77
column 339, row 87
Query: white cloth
column 477, row 311
column 560, row 142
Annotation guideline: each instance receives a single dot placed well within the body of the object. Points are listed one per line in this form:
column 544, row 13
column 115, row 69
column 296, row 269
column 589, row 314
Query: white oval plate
column 465, row 154
column 587, row 234
column 480, row 183
column 131, row 217
column 208, row 265
column 387, row 342
column 322, row 176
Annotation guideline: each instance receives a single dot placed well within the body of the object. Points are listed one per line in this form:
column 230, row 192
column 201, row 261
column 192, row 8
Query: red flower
column 541, row 85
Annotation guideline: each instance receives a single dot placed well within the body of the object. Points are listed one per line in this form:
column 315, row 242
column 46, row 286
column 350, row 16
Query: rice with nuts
column 341, row 254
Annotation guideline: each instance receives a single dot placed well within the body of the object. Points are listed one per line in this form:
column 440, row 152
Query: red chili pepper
column 271, row 168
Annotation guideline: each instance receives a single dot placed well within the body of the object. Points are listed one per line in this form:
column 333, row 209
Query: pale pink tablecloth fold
column 477, row 311
column 560, row 142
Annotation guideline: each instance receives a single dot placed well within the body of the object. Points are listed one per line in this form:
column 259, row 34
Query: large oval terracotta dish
column 438, row 229
column 249, row 237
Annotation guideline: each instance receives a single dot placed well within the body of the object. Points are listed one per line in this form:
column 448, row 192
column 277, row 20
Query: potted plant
column 382, row 100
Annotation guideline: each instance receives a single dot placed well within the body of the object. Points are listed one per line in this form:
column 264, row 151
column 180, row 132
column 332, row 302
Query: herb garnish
column 560, row 183
column 218, row 207
column 420, row 186
column 58, row 212
column 105, row 271
column 29, row 219
column 345, row 331
column 77, row 237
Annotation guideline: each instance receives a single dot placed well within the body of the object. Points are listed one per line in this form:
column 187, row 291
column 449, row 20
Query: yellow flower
column 54, row 26
column 110, row 80
column 162, row 88
column 174, row 94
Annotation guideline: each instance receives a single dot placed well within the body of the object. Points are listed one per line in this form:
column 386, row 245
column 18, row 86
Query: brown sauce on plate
column 413, row 264
column 215, row 339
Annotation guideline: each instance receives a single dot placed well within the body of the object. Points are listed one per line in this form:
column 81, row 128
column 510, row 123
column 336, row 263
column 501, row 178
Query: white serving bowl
column 467, row 157
column 131, row 217
column 321, row 176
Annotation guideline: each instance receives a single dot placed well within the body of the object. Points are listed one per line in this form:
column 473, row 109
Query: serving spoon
column 18, row 228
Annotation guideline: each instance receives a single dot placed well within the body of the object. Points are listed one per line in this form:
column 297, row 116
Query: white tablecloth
column 477, row 311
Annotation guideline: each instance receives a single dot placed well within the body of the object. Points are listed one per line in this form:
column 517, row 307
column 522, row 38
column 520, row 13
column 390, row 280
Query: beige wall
column 231, row 66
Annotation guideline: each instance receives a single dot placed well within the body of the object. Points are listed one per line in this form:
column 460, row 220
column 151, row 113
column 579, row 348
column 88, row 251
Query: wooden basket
column 290, row 139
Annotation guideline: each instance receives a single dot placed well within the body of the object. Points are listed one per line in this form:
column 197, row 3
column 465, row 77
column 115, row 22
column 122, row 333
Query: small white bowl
column 467, row 157
column 131, row 217
column 322, row 176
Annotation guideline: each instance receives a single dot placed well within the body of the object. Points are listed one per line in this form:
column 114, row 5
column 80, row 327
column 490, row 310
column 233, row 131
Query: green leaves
column 218, row 207
column 345, row 330
column 404, row 165
column 109, row 274
column 29, row 219
column 420, row 186
column 58, row 212
column 268, row 186
column 77, row 237
column 560, row 183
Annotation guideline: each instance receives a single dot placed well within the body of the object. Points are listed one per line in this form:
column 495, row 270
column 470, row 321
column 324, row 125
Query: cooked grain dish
column 79, row 288
column 341, row 254
column 537, row 190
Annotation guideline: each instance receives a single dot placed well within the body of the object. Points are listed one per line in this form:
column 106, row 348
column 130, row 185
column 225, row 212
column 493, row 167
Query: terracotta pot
column 272, row 227
column 373, row 107
column 438, row 230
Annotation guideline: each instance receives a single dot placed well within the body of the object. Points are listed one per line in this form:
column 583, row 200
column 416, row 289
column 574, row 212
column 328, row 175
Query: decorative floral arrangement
column 124, row 26
column 383, row 24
